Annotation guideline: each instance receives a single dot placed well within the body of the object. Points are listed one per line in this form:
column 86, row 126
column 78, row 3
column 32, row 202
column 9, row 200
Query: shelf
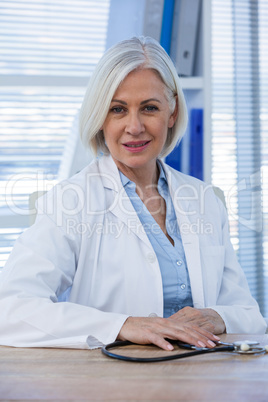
column 192, row 82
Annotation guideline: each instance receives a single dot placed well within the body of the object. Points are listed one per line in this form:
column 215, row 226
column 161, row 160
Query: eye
column 117, row 109
column 151, row 108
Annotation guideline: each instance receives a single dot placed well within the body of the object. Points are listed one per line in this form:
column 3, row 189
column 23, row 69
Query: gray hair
column 111, row 70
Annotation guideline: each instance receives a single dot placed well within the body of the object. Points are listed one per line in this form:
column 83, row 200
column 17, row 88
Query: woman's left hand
column 206, row 318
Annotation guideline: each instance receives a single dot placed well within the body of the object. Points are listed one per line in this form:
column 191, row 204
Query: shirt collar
column 162, row 177
column 162, row 181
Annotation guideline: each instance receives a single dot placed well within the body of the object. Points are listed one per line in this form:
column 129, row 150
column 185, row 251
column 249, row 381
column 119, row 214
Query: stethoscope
column 241, row 347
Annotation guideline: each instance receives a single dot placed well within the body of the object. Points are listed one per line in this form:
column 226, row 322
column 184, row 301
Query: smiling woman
column 135, row 129
column 138, row 271
column 115, row 65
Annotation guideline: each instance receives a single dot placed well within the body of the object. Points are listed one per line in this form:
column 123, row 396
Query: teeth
column 137, row 145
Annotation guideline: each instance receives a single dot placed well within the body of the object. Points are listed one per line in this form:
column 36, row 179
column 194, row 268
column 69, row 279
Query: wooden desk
column 65, row 374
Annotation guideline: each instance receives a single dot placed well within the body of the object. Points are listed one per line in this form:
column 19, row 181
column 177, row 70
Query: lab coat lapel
column 118, row 201
column 190, row 239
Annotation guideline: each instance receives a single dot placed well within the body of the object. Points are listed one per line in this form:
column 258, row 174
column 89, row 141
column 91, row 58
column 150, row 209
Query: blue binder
column 167, row 22
column 196, row 144
column 174, row 158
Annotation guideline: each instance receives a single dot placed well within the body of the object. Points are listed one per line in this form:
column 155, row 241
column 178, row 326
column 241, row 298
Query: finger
column 203, row 336
column 203, row 331
column 161, row 342
column 192, row 335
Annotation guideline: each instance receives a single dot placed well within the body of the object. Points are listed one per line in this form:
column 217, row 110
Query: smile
column 135, row 147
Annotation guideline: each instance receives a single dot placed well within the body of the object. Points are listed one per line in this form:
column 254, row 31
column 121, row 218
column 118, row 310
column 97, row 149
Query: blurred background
column 48, row 49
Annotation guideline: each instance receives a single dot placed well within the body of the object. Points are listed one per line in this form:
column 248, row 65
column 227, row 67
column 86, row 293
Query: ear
column 173, row 117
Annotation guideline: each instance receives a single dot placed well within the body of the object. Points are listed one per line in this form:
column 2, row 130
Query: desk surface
column 68, row 374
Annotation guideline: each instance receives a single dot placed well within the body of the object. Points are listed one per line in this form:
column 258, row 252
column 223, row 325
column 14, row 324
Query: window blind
column 239, row 130
column 57, row 37
column 48, row 51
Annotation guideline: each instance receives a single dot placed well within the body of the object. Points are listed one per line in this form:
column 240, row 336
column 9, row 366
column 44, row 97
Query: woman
column 128, row 248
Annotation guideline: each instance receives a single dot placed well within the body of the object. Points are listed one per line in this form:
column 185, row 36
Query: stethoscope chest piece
column 245, row 347
column 248, row 347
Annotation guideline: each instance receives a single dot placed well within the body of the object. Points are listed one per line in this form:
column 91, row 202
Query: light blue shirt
column 176, row 283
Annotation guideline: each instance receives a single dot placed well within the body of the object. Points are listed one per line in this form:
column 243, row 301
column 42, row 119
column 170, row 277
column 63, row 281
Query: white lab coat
column 88, row 241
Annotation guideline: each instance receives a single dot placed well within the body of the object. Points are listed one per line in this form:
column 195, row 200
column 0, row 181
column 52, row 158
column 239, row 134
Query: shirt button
column 183, row 286
column 151, row 257
column 152, row 315
column 179, row 262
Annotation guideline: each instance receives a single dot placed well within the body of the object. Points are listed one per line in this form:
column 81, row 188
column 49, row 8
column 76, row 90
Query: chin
column 139, row 161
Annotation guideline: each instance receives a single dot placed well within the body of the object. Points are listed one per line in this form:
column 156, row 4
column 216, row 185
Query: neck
column 143, row 176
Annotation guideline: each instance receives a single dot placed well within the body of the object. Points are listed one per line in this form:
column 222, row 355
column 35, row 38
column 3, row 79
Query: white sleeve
column 235, row 305
column 41, row 267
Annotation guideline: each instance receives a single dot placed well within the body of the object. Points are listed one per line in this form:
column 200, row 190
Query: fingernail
column 211, row 343
column 216, row 337
column 170, row 347
column 201, row 344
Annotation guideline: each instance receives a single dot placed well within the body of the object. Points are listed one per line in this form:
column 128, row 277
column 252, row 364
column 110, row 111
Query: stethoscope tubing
column 201, row 351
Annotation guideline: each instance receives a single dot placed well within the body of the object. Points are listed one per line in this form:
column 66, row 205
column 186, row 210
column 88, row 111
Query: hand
column 205, row 318
column 156, row 330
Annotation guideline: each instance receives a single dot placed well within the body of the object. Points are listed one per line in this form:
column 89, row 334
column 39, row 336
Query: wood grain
column 72, row 375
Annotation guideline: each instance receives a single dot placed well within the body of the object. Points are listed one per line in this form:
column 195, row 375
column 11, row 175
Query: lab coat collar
column 120, row 204
column 112, row 180
column 109, row 173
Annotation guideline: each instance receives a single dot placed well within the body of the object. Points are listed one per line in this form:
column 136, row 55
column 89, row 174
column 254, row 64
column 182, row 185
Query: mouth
column 137, row 145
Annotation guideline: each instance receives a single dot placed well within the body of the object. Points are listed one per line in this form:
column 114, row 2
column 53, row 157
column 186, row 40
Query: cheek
column 112, row 127
column 108, row 130
column 162, row 129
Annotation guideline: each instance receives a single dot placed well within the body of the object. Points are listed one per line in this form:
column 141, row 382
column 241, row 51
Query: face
column 137, row 123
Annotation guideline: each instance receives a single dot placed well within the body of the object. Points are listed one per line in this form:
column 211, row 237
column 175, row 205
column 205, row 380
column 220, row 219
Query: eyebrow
column 142, row 103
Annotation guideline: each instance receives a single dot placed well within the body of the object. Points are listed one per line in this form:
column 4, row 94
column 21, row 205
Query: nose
column 134, row 124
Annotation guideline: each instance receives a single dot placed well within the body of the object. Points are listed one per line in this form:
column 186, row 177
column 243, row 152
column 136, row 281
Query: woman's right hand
column 156, row 330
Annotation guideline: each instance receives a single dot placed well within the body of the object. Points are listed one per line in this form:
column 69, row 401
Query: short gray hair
column 111, row 70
